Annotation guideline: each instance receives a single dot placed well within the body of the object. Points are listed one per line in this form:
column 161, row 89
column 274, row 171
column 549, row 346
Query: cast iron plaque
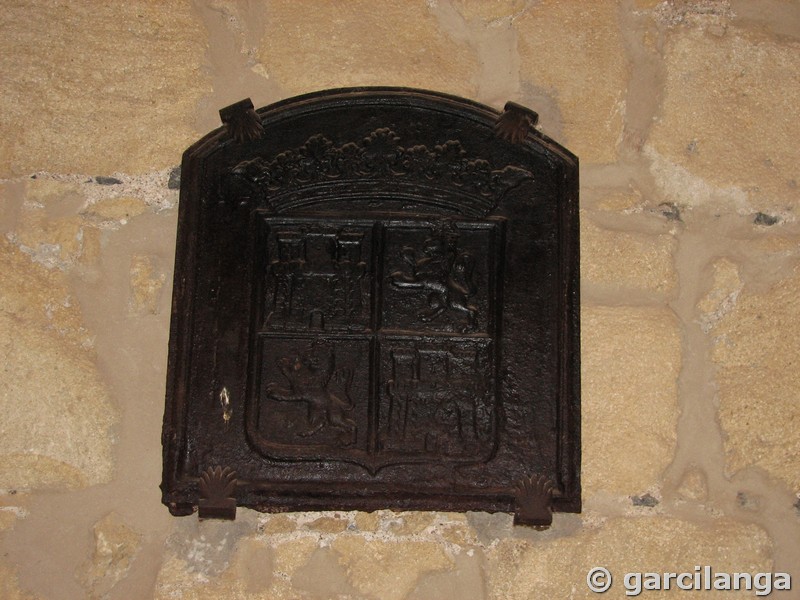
column 375, row 306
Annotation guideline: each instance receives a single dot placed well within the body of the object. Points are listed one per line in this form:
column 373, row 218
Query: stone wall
column 683, row 114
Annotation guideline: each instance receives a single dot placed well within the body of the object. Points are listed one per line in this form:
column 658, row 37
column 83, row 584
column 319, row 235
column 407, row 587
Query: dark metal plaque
column 375, row 306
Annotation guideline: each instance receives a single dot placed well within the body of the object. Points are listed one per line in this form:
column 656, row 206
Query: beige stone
column 711, row 14
column 619, row 201
column 98, row 88
column 464, row 582
column 147, row 281
column 721, row 298
column 388, row 570
column 116, row 545
column 327, row 524
column 409, row 523
column 573, row 51
column 7, row 519
column 489, row 10
column 54, row 243
column 279, row 523
column 459, row 532
column 57, row 411
column 727, row 131
column 367, row 521
column 323, row 577
column 9, row 587
column 756, row 345
column 693, row 486
column 254, row 565
column 363, row 42
column 256, row 572
column 623, row 262
column 119, row 210
column 292, row 554
column 630, row 363
column 557, row 569
column 50, row 229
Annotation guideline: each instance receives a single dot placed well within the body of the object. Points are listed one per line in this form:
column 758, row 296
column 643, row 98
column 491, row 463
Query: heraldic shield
column 375, row 306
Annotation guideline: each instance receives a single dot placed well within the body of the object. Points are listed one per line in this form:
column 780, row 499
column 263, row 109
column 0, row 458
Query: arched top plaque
column 375, row 305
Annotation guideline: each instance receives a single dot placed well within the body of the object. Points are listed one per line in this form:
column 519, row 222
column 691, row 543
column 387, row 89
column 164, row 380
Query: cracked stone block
column 573, row 52
column 631, row 357
column 364, row 42
column 756, row 345
column 98, row 88
column 727, row 132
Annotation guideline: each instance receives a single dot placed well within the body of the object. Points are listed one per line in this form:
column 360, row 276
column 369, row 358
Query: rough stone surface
column 9, row 587
column 693, row 486
column 116, row 545
column 756, row 346
column 490, row 11
column 388, row 569
column 583, row 68
column 631, row 358
column 727, row 121
column 721, row 298
column 522, row 570
column 619, row 260
column 363, row 43
column 97, row 87
column 50, row 384
column 147, row 280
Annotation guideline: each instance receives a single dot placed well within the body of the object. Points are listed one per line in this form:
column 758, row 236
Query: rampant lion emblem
column 323, row 388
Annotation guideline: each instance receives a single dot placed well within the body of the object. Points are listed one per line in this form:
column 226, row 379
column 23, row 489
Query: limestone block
column 557, row 569
column 727, row 131
column 626, row 261
column 116, row 545
column 573, row 51
column 278, row 523
column 56, row 409
column 363, row 42
column 630, row 363
column 98, row 87
column 464, row 582
column 324, row 577
column 256, row 572
column 756, row 346
column 328, row 524
column 388, row 570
